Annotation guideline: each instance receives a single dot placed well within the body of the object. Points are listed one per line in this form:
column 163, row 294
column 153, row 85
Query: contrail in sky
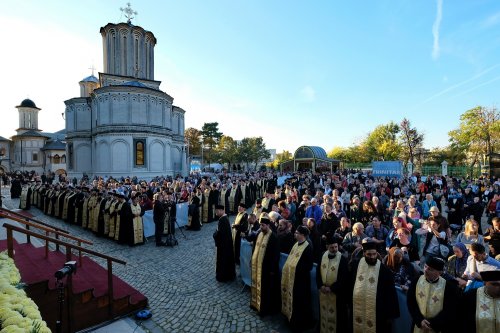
column 435, row 29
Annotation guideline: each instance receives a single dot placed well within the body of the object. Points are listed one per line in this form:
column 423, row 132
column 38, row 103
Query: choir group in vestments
column 106, row 213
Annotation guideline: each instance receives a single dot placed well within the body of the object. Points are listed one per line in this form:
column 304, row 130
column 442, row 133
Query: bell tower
column 128, row 50
column 28, row 116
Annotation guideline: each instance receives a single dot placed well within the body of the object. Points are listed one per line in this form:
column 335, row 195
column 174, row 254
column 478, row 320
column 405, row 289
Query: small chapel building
column 122, row 124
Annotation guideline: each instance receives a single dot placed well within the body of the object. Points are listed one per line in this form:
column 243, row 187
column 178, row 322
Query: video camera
column 68, row 269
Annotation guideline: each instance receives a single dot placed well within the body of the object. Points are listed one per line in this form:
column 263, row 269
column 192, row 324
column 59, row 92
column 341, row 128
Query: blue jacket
column 314, row 212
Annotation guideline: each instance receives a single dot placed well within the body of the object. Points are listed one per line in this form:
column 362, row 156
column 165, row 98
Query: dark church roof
column 28, row 103
column 59, row 135
column 55, row 145
column 31, row 134
column 134, row 84
column 3, row 139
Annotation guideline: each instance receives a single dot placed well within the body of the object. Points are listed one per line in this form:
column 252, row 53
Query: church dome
column 90, row 78
column 28, row 103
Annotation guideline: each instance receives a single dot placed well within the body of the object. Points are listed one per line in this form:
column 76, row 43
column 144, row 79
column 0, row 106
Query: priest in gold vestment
column 296, row 303
column 332, row 279
column 374, row 299
column 265, row 271
column 432, row 300
column 481, row 308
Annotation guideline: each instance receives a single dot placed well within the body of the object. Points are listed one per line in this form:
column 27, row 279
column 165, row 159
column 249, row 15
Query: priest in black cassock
column 239, row 226
column 333, row 281
column 296, row 283
column 432, row 300
column 225, row 269
column 480, row 309
column 265, row 271
column 374, row 299
column 125, row 234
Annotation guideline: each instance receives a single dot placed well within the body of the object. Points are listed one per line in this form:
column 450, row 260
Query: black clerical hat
column 242, row 205
column 302, row 229
column 490, row 276
column 264, row 220
column 368, row 244
column 332, row 239
column 219, row 207
column 436, row 263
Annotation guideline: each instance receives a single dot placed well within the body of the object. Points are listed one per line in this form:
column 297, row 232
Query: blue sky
column 294, row 72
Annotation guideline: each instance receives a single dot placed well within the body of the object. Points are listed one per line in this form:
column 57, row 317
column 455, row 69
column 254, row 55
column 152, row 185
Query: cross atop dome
column 128, row 12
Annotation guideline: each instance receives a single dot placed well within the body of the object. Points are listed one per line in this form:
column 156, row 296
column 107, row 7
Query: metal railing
column 69, row 247
column 29, row 222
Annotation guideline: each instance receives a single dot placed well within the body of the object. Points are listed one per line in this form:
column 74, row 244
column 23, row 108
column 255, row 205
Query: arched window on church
column 56, row 159
column 140, row 152
column 63, row 159
column 70, row 154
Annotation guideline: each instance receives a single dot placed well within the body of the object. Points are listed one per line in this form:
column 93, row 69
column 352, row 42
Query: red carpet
column 34, row 268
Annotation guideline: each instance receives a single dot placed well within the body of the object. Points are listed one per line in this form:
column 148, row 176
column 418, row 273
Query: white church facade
column 31, row 149
column 122, row 124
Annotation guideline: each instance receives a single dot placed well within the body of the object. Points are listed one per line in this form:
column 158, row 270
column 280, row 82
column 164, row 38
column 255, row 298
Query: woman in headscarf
column 457, row 263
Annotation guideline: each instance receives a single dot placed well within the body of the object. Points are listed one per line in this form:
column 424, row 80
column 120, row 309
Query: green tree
column 281, row 157
column 253, row 150
column 382, row 143
column 226, row 151
column 339, row 153
column 477, row 134
column 211, row 136
column 410, row 139
column 450, row 154
column 193, row 137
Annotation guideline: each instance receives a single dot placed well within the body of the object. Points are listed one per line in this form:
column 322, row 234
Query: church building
column 122, row 124
column 31, row 149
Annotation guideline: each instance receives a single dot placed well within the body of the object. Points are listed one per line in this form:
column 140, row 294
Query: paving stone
column 179, row 282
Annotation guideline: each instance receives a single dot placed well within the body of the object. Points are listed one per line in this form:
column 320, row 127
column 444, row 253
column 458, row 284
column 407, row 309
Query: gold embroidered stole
column 243, row 190
column 85, row 217
column 117, row 221
column 206, row 195
column 365, row 298
column 112, row 217
column 257, row 212
column 328, row 302
column 237, row 221
column 51, row 202
column 223, row 198
column 265, row 203
column 288, row 278
column 107, row 206
column 257, row 260
column 66, row 203
column 137, row 224
column 232, row 194
column 24, row 196
column 58, row 207
column 487, row 312
column 95, row 212
column 430, row 297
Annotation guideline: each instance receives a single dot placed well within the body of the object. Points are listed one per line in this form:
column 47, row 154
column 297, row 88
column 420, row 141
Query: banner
column 387, row 169
column 149, row 225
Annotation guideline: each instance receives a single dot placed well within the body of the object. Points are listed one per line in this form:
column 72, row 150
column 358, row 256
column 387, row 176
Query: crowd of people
column 379, row 234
